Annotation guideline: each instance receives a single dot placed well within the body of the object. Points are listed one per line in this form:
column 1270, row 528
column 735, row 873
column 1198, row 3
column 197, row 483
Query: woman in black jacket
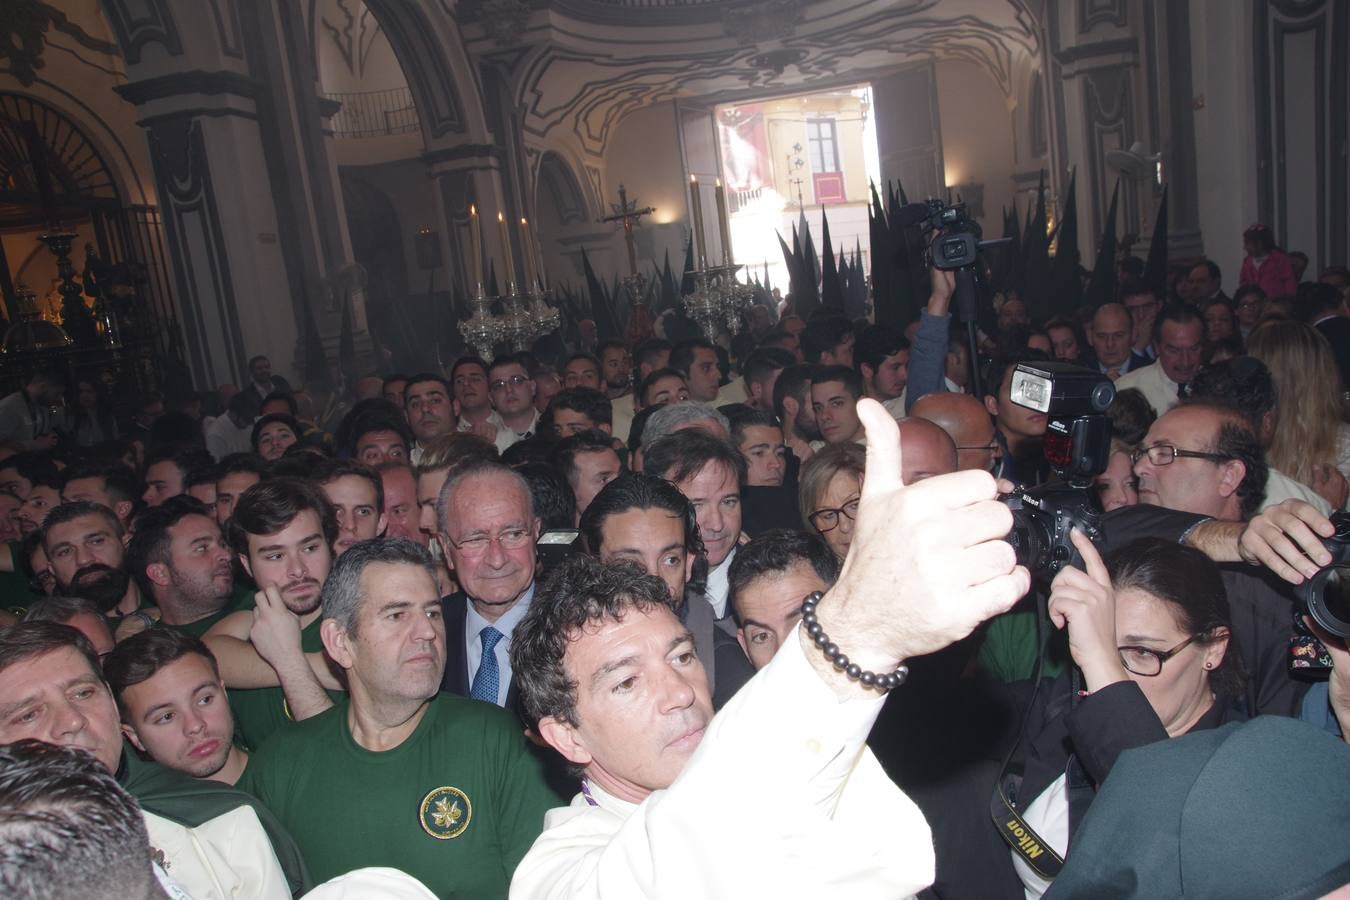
column 1150, row 635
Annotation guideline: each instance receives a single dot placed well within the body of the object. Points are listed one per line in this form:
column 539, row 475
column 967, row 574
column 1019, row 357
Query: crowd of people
column 654, row 620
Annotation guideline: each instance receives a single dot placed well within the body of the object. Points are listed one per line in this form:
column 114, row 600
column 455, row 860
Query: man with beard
column 44, row 495
column 181, row 562
column 84, row 546
column 616, row 375
column 173, row 705
column 271, row 656
column 443, row 788
column 792, row 405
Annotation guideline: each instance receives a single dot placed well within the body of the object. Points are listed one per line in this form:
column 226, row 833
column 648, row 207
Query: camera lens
column 1329, row 599
column 1030, row 537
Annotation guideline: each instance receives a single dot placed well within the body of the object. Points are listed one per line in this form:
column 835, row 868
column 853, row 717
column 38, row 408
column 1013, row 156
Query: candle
column 723, row 223
column 475, row 251
column 696, row 213
column 508, row 263
column 527, row 247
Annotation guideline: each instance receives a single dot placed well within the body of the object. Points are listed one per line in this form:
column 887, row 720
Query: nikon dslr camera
column 1077, row 445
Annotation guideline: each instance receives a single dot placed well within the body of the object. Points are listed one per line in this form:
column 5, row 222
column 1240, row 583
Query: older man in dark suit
column 487, row 528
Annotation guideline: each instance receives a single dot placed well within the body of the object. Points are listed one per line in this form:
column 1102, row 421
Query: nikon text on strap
column 1021, row 837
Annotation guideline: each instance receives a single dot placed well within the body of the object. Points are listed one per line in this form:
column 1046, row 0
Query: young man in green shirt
column 214, row 838
column 441, row 787
column 271, row 657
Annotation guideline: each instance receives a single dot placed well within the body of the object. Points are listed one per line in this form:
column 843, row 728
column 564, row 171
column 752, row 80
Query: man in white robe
column 778, row 795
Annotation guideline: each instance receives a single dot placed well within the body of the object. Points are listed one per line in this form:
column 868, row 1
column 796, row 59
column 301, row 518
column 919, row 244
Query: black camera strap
column 1021, row 838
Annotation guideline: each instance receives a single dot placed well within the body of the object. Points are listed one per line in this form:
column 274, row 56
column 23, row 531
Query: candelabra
column 526, row 316
column 718, row 300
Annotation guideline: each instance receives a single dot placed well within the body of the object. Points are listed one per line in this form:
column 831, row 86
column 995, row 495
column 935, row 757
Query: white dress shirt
column 473, row 644
column 719, row 585
column 505, row 436
column 1151, row 381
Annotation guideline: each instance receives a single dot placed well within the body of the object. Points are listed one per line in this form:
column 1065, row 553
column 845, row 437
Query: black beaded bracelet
column 839, row 659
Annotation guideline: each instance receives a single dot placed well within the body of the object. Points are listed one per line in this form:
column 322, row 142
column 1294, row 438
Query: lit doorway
column 789, row 156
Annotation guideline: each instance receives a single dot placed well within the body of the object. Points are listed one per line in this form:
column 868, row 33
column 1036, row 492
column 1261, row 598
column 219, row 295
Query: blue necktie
column 485, row 679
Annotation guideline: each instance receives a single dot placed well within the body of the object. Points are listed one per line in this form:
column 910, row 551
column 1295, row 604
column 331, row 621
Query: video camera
column 1326, row 596
column 1077, row 445
column 958, row 244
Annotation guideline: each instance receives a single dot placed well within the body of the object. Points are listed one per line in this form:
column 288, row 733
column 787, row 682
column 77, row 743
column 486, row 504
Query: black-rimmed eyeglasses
column 1148, row 662
column 1165, row 454
column 827, row 519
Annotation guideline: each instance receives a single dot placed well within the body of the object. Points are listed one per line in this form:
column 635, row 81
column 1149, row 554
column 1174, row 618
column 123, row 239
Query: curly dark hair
column 579, row 592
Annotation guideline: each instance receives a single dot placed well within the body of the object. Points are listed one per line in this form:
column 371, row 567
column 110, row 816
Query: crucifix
column 626, row 211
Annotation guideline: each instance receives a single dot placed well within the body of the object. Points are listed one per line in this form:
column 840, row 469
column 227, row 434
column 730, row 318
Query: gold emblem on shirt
column 445, row 813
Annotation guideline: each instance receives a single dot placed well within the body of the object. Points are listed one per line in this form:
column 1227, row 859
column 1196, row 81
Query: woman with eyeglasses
column 1150, row 635
column 829, row 488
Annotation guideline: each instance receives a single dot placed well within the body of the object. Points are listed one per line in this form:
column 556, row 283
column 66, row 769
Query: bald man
column 967, row 423
column 926, row 450
column 1111, row 335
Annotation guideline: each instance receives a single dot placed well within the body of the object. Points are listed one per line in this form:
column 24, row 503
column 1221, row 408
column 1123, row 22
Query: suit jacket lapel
column 454, row 610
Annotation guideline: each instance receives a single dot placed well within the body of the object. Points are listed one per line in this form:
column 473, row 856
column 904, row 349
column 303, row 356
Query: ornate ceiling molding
column 577, row 77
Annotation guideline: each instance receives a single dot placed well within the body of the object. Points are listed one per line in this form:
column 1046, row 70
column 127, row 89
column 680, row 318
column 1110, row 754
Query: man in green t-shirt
column 438, row 786
column 271, row 658
column 182, row 564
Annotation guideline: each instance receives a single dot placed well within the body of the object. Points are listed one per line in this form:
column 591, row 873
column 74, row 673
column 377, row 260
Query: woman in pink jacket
column 1266, row 265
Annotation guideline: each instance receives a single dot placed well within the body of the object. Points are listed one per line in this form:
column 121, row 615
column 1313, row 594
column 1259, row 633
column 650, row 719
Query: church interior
column 354, row 180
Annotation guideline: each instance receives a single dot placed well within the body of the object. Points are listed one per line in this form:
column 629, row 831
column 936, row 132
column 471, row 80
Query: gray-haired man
column 447, row 789
column 486, row 526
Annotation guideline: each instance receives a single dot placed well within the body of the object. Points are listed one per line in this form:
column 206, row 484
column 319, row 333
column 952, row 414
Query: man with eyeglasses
column 1202, row 459
column 512, row 391
column 469, row 381
column 486, row 527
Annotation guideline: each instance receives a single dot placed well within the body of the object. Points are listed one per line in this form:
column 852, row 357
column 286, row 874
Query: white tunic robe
column 782, row 799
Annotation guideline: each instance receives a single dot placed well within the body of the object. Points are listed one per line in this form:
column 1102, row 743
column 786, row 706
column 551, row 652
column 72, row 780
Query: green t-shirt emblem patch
column 445, row 813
